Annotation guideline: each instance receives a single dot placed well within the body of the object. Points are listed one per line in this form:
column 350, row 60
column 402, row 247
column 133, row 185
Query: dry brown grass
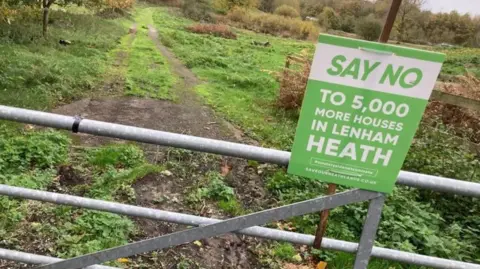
column 219, row 30
column 273, row 24
column 293, row 83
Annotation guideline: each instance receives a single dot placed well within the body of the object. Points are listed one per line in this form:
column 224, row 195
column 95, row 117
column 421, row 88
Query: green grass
column 30, row 160
column 238, row 76
column 284, row 251
column 148, row 74
column 459, row 61
column 37, row 73
column 214, row 188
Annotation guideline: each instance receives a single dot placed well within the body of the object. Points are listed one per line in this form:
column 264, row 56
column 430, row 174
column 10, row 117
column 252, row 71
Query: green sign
column 362, row 106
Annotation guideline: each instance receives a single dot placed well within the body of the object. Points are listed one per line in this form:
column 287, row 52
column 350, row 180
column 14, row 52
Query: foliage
column 295, row 4
column 215, row 188
column 198, row 10
column 92, row 231
column 329, row 19
column 347, row 24
column 369, row 28
column 229, row 4
column 118, row 167
column 284, row 251
column 119, row 4
column 116, row 156
column 218, row 30
column 32, row 151
column 273, row 24
column 287, row 11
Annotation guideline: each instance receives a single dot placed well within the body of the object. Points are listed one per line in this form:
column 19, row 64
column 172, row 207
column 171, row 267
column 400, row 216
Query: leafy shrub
column 273, row 24
column 225, row 5
column 329, row 19
column 215, row 189
column 34, row 150
column 347, row 24
column 369, row 28
column 119, row 4
column 287, row 11
column 213, row 29
column 93, row 231
column 198, row 10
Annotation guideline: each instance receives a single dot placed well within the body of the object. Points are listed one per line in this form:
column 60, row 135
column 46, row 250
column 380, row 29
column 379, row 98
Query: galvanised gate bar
column 207, row 227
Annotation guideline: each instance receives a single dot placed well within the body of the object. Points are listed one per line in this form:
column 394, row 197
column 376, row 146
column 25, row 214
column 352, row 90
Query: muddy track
column 186, row 116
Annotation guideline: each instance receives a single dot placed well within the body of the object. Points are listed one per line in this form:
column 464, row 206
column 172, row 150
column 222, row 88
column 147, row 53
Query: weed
column 117, row 156
column 93, row 231
column 231, row 207
column 215, row 189
column 284, row 251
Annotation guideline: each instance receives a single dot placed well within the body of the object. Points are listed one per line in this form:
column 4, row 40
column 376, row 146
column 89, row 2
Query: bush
column 198, row 10
column 292, row 87
column 369, row 28
column 287, row 11
column 347, row 24
column 213, row 29
column 273, row 24
column 329, row 19
column 225, row 5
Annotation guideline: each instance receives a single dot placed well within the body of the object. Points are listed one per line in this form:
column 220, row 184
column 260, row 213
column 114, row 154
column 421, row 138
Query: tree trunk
column 46, row 8
column 45, row 20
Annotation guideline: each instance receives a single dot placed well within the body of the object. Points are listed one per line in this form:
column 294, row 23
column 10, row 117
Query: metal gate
column 207, row 227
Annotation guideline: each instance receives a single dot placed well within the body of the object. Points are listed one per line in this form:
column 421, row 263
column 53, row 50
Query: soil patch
column 168, row 193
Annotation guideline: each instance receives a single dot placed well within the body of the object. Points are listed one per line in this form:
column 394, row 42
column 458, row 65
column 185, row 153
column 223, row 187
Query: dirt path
column 187, row 116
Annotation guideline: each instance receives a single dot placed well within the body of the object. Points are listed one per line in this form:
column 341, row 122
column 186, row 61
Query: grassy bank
column 37, row 73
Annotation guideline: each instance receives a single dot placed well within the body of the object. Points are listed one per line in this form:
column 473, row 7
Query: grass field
column 37, row 73
column 240, row 83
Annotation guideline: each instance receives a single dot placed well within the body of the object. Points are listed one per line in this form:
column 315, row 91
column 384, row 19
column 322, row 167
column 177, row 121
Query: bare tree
column 404, row 17
column 46, row 4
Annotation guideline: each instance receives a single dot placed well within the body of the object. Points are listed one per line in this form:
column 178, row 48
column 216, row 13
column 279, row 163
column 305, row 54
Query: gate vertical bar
column 369, row 232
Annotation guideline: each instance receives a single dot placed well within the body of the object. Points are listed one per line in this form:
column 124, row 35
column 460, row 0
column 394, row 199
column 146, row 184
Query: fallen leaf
column 225, row 168
column 123, row 260
column 166, row 173
column 294, row 266
column 297, row 258
column 322, row 265
column 198, row 243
